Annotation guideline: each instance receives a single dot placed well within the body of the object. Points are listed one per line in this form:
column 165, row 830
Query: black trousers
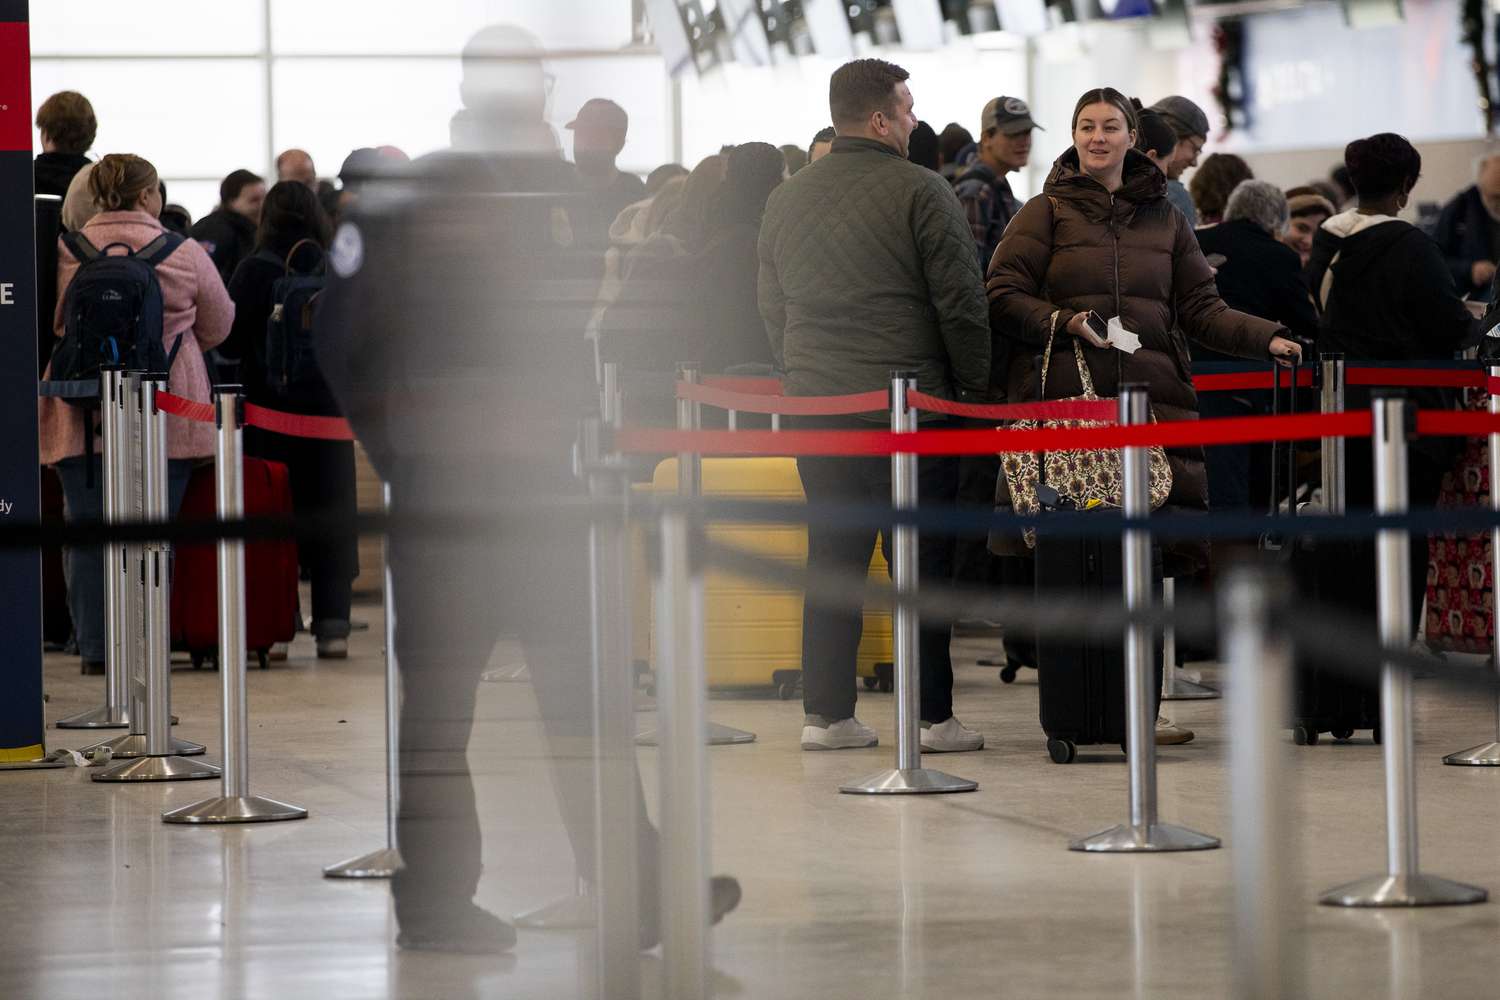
column 454, row 599
column 322, row 474
column 830, row 636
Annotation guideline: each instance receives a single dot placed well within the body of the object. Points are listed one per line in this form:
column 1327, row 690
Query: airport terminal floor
column 844, row 896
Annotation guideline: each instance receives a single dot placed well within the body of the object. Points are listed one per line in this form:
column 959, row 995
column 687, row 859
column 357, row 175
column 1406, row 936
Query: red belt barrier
column 1457, row 423
column 800, row 406
column 202, row 413
column 1080, row 409
column 297, row 425
column 1492, row 386
column 1415, row 378
column 765, row 385
column 1174, row 434
column 1230, row 381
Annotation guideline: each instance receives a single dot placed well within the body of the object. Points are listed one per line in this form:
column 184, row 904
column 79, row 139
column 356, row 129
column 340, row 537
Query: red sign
column 15, row 86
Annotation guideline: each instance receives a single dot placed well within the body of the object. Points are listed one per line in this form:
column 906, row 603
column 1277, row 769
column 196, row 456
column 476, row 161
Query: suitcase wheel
column 871, row 682
column 885, row 677
column 1007, row 674
column 1375, row 735
column 198, row 659
column 1061, row 751
column 1304, row 736
column 1342, row 734
column 263, row 657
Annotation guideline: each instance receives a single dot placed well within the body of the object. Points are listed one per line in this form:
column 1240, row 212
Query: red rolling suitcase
column 270, row 569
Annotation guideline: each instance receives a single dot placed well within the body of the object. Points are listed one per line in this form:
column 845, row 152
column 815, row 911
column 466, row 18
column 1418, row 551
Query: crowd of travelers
column 884, row 245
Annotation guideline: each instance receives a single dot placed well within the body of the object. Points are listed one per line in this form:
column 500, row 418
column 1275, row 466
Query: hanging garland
column 1230, row 91
column 1471, row 15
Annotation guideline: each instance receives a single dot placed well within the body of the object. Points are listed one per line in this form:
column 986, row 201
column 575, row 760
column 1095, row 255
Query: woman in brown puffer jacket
column 1103, row 238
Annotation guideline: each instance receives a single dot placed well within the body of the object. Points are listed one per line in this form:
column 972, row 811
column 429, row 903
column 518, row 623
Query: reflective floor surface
column 844, row 896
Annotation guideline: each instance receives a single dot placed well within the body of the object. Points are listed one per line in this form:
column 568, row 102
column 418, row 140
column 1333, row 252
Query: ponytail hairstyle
column 118, row 181
column 1106, row 95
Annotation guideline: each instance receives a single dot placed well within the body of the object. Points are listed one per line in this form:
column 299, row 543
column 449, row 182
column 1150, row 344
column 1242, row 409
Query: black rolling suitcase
column 1081, row 683
column 1331, row 572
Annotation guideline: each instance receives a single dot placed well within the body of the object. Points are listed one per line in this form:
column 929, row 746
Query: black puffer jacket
column 1131, row 254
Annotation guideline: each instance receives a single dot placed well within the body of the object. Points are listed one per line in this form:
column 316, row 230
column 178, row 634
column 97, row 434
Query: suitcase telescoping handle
column 1291, row 446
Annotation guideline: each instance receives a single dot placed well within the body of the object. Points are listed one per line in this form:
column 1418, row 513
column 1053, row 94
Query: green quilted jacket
column 867, row 266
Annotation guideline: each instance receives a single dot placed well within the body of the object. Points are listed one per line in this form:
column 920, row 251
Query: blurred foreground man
column 452, row 334
column 867, row 266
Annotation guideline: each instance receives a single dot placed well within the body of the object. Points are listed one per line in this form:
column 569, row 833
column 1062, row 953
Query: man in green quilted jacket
column 867, row 267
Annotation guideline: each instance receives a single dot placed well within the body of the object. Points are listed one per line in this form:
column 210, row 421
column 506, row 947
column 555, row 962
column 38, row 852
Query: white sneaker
column 846, row 734
column 950, row 737
column 1169, row 733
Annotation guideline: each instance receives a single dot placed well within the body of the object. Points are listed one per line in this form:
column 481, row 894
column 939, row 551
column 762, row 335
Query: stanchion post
column 234, row 803
column 1488, row 754
column 161, row 762
column 1254, row 646
column 1331, row 400
column 690, row 487
column 384, row 862
column 684, row 765
column 1403, row 883
column 115, row 713
column 1144, row 832
column 908, row 776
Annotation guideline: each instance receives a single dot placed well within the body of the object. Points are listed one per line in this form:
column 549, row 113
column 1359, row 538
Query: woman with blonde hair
column 196, row 313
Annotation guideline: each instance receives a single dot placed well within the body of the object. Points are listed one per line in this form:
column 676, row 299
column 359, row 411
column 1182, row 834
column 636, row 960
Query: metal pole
column 234, row 803
column 160, row 762
column 690, row 487
column 1143, row 832
column 1174, row 686
column 1260, row 661
column 684, row 766
column 1488, row 754
column 908, row 776
column 115, row 713
column 1403, row 884
column 385, row 861
column 1332, row 400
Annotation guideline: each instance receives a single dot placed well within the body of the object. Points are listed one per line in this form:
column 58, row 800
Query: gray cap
column 1008, row 114
column 1183, row 115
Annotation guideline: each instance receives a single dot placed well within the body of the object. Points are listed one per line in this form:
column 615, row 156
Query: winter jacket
column 726, row 267
column 1132, row 255
column 53, row 172
column 1177, row 194
column 867, row 266
column 1464, row 234
column 990, row 205
column 1261, row 276
column 195, row 304
column 228, row 237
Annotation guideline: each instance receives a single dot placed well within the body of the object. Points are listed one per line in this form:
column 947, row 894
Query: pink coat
column 195, row 301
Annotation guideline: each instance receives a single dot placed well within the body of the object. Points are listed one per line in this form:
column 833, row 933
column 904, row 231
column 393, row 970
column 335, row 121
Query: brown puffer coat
column 1077, row 247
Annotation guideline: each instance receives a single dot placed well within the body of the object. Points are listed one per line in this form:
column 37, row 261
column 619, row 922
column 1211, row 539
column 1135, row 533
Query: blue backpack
column 113, row 311
column 291, row 362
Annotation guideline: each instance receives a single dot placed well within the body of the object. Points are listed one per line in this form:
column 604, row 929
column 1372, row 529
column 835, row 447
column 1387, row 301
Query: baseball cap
column 1008, row 114
column 1181, row 111
column 600, row 112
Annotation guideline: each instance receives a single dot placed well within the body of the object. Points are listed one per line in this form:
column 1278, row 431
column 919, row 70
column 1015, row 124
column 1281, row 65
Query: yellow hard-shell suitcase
column 753, row 629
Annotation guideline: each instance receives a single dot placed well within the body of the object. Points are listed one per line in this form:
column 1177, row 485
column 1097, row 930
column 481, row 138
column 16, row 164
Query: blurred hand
column 1284, row 350
column 1482, row 273
column 1078, row 326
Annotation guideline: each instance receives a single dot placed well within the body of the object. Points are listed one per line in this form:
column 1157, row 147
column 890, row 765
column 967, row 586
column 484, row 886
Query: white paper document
column 1122, row 339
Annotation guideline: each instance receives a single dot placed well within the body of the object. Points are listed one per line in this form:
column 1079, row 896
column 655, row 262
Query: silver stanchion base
column 1126, row 838
column 917, row 781
column 1404, row 890
column 98, row 718
column 718, row 736
column 1484, row 755
column 1182, row 689
column 516, row 673
column 377, row 864
column 576, row 912
column 159, row 769
column 235, row 809
column 133, row 745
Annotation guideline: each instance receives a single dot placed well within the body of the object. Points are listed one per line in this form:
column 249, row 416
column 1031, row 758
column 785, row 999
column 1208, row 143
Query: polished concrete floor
column 845, row 897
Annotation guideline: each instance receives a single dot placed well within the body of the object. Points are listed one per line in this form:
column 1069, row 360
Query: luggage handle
column 1291, row 446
